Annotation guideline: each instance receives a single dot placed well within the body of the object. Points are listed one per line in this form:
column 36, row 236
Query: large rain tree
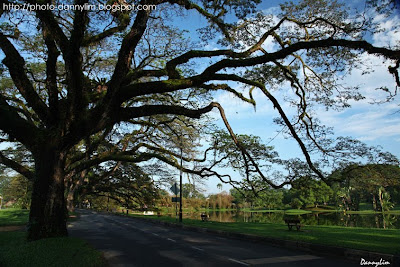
column 68, row 76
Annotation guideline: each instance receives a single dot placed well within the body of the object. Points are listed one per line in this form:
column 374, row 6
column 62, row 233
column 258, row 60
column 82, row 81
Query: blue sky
column 376, row 125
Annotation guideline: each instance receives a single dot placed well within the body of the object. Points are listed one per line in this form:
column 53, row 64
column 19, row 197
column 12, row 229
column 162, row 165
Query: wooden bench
column 293, row 222
column 204, row 217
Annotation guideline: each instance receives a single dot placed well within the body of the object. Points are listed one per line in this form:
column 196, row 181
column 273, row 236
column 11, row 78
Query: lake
column 388, row 221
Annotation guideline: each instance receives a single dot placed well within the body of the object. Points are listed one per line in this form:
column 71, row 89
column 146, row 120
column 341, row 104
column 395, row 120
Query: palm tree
column 219, row 186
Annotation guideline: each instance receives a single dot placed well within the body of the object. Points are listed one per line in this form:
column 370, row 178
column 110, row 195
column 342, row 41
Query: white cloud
column 389, row 36
column 371, row 125
column 365, row 120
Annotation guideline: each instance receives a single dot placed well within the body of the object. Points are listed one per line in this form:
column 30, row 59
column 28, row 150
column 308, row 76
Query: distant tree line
column 377, row 184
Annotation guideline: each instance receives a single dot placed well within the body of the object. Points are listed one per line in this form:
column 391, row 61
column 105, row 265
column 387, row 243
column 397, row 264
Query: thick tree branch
column 47, row 17
column 80, row 21
column 16, row 66
column 155, row 87
column 134, row 75
column 16, row 127
column 395, row 71
column 128, row 45
column 51, row 72
column 286, row 51
column 17, row 167
column 149, row 110
column 171, row 85
column 73, row 64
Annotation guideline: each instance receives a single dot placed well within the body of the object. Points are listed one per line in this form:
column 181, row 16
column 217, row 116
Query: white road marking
column 282, row 259
column 240, row 262
column 155, row 234
column 171, row 240
column 200, row 249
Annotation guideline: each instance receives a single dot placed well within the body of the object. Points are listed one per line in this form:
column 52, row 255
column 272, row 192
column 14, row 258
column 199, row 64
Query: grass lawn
column 16, row 251
column 13, row 217
column 67, row 251
column 371, row 239
column 296, row 211
column 261, row 210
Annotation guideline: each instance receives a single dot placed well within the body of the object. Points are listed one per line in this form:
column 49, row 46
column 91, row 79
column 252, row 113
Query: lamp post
column 180, row 184
column 1, row 202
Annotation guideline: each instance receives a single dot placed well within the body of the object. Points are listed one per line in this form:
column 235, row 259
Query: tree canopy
column 80, row 87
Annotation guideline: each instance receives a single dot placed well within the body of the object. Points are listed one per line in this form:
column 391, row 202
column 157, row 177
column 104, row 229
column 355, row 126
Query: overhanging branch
column 16, row 66
column 17, row 167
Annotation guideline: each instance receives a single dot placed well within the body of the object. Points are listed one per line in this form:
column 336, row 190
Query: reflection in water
column 388, row 221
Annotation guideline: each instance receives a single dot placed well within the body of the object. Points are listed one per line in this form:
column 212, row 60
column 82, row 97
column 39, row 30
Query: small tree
column 385, row 201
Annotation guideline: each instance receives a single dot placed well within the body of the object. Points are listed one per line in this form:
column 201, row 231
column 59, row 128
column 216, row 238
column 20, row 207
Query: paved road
column 131, row 242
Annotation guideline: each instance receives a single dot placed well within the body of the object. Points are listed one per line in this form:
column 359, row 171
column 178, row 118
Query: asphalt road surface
column 132, row 242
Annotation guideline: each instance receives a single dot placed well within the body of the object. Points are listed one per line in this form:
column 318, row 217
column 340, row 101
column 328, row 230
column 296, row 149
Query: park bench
column 293, row 222
column 204, row 217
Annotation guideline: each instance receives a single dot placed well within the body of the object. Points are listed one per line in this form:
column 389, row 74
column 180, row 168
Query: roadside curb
column 317, row 249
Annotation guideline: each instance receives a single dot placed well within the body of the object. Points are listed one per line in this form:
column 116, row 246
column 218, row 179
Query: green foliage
column 225, row 147
column 16, row 191
column 307, row 191
column 370, row 182
column 269, row 199
column 128, row 186
column 190, row 191
column 385, row 200
column 296, row 203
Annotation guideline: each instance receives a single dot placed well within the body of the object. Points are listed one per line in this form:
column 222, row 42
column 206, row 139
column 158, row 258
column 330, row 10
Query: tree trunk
column 374, row 204
column 48, row 215
column 72, row 189
column 70, row 200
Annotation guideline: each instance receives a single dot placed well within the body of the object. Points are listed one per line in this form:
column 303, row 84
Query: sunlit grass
column 13, row 217
column 261, row 210
column 296, row 211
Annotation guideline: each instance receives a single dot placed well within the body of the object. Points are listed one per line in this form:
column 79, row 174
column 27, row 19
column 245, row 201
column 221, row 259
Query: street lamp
column 180, row 173
column 180, row 184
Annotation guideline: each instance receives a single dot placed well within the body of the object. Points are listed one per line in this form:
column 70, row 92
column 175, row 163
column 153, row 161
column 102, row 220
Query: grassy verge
column 16, row 251
column 378, row 240
column 265, row 211
column 13, row 217
column 289, row 211
column 296, row 211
